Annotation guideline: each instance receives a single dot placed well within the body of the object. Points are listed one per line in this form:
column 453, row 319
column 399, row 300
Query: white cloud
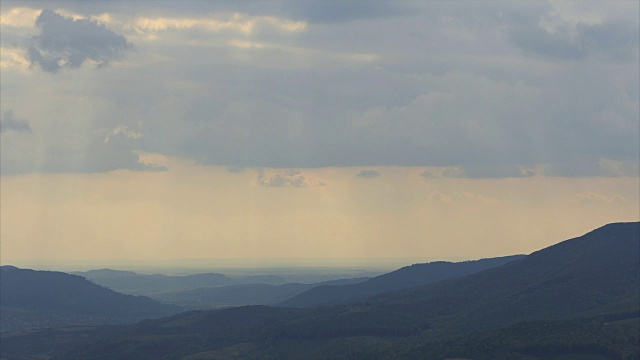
column 235, row 22
column 287, row 178
column 589, row 198
column 125, row 131
column 14, row 57
column 19, row 17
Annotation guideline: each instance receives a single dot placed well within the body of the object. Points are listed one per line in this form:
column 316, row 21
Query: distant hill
column 129, row 282
column 33, row 299
column 139, row 284
column 406, row 277
column 574, row 300
column 105, row 274
column 244, row 294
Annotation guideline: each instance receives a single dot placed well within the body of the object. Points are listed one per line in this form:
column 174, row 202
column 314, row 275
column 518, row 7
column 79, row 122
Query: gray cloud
column 483, row 89
column 65, row 42
column 496, row 171
column 8, row 122
column 368, row 174
column 119, row 152
column 618, row 41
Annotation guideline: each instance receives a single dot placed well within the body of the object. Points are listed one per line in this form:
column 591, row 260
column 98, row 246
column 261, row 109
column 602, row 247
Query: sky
column 162, row 130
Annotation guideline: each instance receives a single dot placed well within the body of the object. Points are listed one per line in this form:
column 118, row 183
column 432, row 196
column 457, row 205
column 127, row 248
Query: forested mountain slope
column 406, row 277
column 34, row 299
column 576, row 299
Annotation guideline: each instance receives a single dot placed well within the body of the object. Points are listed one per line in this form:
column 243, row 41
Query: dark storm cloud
column 8, row 122
column 65, row 42
column 368, row 174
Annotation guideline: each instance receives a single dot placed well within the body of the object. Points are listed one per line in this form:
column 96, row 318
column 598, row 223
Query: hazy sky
column 314, row 129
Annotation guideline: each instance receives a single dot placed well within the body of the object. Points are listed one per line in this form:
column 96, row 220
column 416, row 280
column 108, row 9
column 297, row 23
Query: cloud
column 619, row 168
column 13, row 57
column 9, row 122
column 287, row 178
column 439, row 197
column 430, row 174
column 443, row 172
column 589, row 198
column 368, row 174
column 19, row 17
column 497, row 171
column 473, row 89
column 281, row 178
column 233, row 22
column 552, row 36
column 119, row 151
column 124, row 131
column 464, row 197
column 69, row 43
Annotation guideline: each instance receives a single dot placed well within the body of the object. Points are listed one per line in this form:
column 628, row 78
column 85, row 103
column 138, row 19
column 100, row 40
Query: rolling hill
column 36, row 299
column 243, row 294
column 140, row 284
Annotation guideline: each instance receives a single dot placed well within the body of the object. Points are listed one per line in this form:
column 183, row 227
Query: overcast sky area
column 314, row 129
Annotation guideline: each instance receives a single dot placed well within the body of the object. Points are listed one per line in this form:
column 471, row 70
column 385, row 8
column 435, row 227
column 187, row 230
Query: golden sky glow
column 197, row 211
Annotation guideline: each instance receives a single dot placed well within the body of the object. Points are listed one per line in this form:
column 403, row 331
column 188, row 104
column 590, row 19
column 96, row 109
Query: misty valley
column 578, row 299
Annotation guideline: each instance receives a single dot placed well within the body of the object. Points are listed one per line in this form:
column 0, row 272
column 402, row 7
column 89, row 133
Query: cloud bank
column 476, row 89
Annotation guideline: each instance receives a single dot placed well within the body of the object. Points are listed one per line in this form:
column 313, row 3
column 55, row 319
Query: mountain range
column 129, row 282
column 243, row 294
column 579, row 299
column 328, row 292
column 583, row 291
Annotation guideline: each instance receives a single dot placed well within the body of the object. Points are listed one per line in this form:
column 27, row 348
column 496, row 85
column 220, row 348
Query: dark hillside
column 581, row 275
column 406, row 277
column 31, row 298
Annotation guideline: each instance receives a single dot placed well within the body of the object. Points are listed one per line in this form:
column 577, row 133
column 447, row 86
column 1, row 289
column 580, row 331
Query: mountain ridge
column 405, row 277
column 28, row 296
